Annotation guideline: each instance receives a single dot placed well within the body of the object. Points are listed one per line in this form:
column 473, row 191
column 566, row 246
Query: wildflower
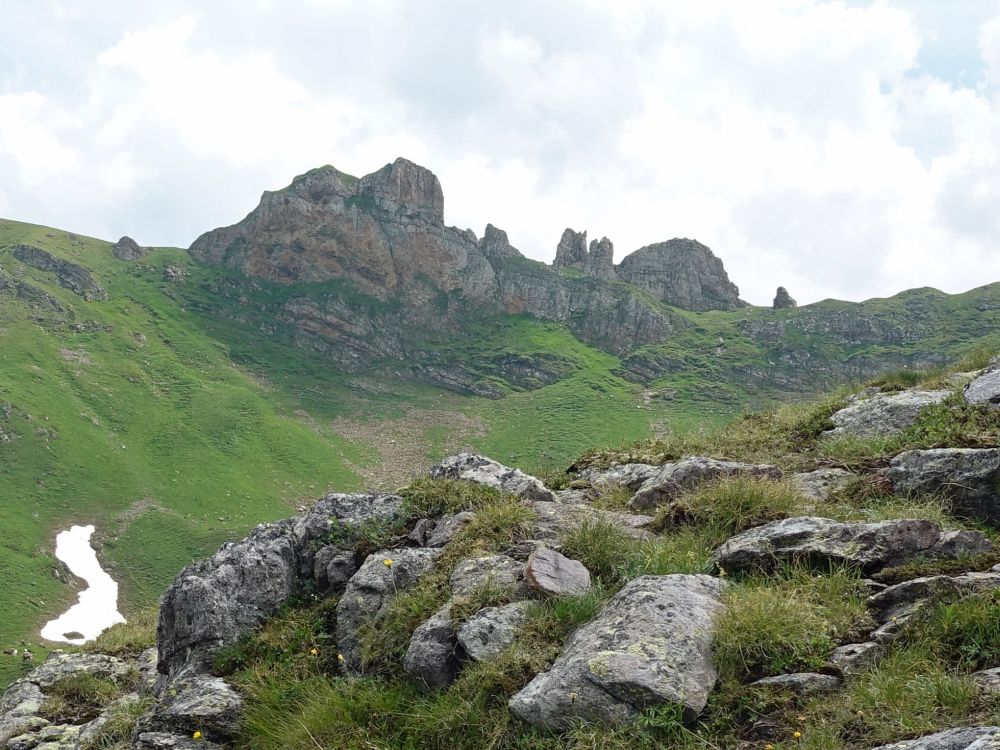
column 572, row 697
column 387, row 562
column 894, row 618
column 196, row 735
column 722, row 572
column 340, row 658
column 800, row 718
column 314, row 651
column 797, row 735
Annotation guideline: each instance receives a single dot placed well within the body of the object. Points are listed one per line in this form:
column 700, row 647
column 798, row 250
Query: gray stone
column 198, row 703
column 987, row 680
column 783, row 300
column 496, row 571
column 870, row 546
column 70, row 275
column 674, row 478
column 800, row 683
column 821, row 484
column 19, row 707
column 370, row 592
column 985, row 388
column 491, row 630
column 50, row 737
column 903, row 599
column 128, row 249
column 969, row 477
column 59, row 665
column 883, row 414
column 650, row 645
column 421, row 531
column 333, row 567
column 856, row 657
column 554, row 521
column 629, row 476
column 481, row 470
column 448, row 527
column 214, row 601
column 554, row 574
column 167, row 741
column 432, row 658
column 962, row 738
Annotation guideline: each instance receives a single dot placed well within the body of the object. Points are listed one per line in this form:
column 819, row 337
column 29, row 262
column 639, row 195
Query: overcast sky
column 841, row 149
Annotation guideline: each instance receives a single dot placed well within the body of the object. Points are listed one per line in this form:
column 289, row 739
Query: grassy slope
column 171, row 422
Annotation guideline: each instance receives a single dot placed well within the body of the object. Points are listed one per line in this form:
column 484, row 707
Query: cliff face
column 385, row 236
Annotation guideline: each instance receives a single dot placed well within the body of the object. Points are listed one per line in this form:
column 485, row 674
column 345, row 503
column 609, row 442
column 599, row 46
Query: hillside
column 815, row 576
column 175, row 402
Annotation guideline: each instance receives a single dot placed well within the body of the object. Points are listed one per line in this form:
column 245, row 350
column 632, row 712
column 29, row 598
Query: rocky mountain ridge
column 468, row 557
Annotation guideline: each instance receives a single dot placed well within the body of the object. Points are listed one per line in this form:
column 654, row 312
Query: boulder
column 870, row 546
column 985, row 388
column 432, row 658
column 651, row 645
column 554, row 521
column 987, row 680
column 491, row 630
column 128, row 249
column 198, row 703
column 370, row 592
column 629, row 476
column 969, row 477
column 50, row 737
column 448, row 527
column 855, row 657
column 59, row 665
column 167, row 741
column 800, row 683
column 903, row 599
column 962, row 738
column 481, row 470
column 821, row 484
column 883, row 414
column 783, row 300
column 549, row 572
column 674, row 478
column 497, row 571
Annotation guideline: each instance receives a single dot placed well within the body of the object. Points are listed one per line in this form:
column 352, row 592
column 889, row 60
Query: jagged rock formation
column 783, row 300
column 683, row 273
column 572, row 252
column 128, row 249
column 74, row 277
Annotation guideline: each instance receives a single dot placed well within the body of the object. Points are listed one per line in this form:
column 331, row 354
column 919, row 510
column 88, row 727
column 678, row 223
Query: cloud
column 810, row 143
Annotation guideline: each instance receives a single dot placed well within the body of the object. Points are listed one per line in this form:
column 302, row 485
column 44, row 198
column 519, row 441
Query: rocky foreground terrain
column 820, row 577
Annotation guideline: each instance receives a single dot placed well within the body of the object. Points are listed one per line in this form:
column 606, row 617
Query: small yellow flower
column 722, row 572
column 894, row 618
column 800, row 718
column 340, row 658
column 797, row 735
column 572, row 697
column 314, row 651
column 196, row 735
column 387, row 562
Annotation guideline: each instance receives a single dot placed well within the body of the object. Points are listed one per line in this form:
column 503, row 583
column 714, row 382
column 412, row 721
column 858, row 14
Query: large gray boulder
column 549, row 572
column 650, row 645
column 821, row 484
column 481, row 470
column 870, row 546
column 128, row 249
column 432, row 658
column 962, row 738
column 199, row 703
column 985, row 388
column 883, row 414
column 674, row 478
column 214, row 601
column 493, row 571
column 491, row 630
column 969, row 477
column 370, row 592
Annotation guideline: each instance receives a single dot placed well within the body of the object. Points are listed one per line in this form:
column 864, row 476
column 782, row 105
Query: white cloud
column 806, row 141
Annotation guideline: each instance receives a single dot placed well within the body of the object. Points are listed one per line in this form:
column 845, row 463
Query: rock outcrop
column 969, row 477
column 985, row 388
column 670, row 479
column 869, row 546
column 650, row 645
column 481, row 470
column 883, row 414
column 128, row 249
column 783, row 300
column 74, row 277
column 682, row 273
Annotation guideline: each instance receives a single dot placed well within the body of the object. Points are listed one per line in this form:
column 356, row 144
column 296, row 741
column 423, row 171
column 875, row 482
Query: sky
column 840, row 149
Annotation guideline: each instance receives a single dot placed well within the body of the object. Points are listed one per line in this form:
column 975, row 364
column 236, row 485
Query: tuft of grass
column 81, row 697
column 965, row 634
column 731, row 505
column 788, row 622
column 116, row 732
column 501, row 523
column 426, row 497
column 127, row 639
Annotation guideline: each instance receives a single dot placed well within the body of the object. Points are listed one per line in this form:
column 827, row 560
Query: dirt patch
column 81, row 357
column 407, row 446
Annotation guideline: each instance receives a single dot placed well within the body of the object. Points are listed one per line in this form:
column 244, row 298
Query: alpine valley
column 342, row 337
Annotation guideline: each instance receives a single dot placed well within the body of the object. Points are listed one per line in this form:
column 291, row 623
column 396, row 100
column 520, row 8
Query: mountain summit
column 385, row 234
